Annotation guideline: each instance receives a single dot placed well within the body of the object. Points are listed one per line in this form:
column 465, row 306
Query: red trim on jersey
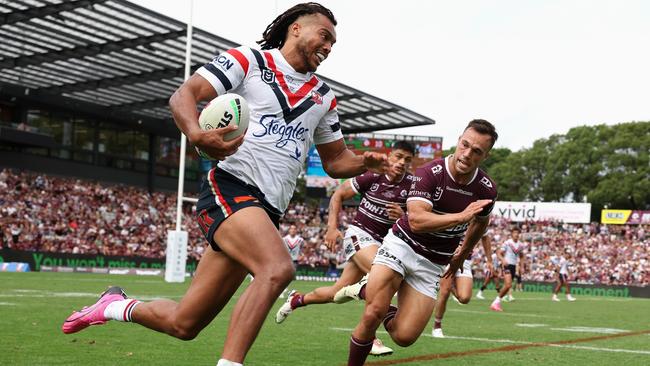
column 243, row 61
column 332, row 105
column 224, row 204
column 279, row 76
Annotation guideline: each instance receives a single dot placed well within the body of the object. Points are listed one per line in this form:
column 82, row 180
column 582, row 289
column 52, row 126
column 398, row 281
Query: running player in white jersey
column 243, row 198
column 451, row 199
column 491, row 271
column 511, row 256
column 294, row 243
column 383, row 201
column 460, row 284
column 562, row 277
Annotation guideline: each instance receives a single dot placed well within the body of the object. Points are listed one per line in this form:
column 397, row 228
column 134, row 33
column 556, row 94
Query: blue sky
column 533, row 68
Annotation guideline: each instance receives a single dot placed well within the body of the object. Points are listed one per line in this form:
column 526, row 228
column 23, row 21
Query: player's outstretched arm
column 423, row 220
column 342, row 193
column 339, row 162
column 183, row 106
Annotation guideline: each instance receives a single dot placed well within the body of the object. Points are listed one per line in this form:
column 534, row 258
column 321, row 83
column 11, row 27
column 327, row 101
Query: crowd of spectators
column 66, row 215
column 598, row 254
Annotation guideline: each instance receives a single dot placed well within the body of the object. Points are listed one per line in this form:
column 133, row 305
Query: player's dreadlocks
column 276, row 32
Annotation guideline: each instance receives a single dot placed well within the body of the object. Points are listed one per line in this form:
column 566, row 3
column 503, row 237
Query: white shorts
column 419, row 272
column 356, row 239
column 467, row 270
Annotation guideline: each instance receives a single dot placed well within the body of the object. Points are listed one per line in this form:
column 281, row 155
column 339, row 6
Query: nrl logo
column 268, row 76
column 438, row 193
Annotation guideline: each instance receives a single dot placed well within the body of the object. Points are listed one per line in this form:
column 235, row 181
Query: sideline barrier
column 38, row 259
column 580, row 289
column 118, row 271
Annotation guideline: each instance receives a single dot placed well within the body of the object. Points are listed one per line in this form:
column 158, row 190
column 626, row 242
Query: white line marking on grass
column 504, row 313
column 591, row 330
column 510, row 341
column 530, row 325
column 7, row 304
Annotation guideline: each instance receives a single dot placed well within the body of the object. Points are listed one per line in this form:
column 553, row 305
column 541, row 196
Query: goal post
column 176, row 253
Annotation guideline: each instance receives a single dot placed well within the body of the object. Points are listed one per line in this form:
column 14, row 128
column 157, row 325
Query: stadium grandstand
column 84, row 87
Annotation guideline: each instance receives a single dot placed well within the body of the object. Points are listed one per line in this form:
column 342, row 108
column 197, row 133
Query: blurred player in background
column 243, row 198
column 562, row 277
column 460, row 284
column 294, row 244
column 450, row 199
column 491, row 271
column 511, row 256
column 383, row 201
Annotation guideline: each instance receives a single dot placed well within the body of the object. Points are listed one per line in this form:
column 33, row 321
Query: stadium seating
column 59, row 214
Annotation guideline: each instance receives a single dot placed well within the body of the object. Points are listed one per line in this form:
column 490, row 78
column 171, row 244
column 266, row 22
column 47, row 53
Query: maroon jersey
column 434, row 185
column 376, row 192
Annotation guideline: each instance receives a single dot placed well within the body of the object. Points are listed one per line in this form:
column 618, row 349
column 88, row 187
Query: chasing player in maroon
column 451, row 198
column 383, row 201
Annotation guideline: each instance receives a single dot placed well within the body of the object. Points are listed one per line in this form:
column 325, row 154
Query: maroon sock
column 390, row 315
column 359, row 351
column 297, row 301
column 362, row 292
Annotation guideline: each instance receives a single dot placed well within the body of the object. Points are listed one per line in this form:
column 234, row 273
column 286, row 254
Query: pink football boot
column 94, row 314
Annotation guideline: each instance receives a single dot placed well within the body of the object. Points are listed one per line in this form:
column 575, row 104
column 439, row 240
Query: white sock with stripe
column 120, row 310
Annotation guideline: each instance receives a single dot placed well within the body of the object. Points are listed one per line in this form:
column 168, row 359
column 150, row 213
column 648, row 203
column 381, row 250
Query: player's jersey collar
column 452, row 177
column 279, row 59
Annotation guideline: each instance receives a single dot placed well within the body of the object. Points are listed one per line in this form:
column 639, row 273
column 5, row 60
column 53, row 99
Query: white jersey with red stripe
column 512, row 251
column 294, row 244
column 288, row 112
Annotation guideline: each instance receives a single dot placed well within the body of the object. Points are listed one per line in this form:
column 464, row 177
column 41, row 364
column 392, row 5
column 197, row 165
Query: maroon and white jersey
column 376, row 192
column 435, row 186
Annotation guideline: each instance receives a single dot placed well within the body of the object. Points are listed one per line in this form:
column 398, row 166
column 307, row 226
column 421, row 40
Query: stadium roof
column 121, row 61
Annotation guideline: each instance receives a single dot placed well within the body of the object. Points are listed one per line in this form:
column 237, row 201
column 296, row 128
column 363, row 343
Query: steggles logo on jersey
column 403, row 193
column 285, row 133
column 268, row 76
column 436, row 169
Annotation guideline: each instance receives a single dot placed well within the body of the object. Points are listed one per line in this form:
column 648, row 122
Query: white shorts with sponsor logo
column 356, row 239
column 467, row 270
column 419, row 272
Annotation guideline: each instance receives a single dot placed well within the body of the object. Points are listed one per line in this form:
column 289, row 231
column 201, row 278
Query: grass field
column 531, row 331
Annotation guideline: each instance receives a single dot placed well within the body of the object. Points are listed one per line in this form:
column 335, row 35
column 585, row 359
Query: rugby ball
column 222, row 111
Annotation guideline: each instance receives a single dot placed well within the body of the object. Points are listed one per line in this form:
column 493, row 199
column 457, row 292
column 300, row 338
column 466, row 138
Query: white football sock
column 120, row 310
column 223, row 362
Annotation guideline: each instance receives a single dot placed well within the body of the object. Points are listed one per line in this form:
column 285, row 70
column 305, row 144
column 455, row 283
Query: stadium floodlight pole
column 176, row 253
